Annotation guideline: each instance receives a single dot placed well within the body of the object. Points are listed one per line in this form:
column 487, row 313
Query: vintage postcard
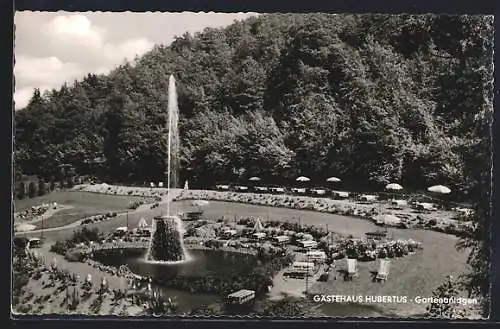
column 266, row 165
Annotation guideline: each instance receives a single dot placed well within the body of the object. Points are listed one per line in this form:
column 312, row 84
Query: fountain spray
column 166, row 244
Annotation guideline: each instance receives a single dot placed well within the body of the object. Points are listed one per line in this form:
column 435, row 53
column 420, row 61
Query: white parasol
column 303, row 179
column 394, row 186
column 441, row 189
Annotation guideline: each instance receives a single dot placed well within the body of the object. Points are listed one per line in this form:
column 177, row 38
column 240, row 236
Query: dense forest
column 369, row 98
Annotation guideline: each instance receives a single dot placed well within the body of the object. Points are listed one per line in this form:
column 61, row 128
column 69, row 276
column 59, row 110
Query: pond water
column 203, row 263
column 206, row 263
column 415, row 275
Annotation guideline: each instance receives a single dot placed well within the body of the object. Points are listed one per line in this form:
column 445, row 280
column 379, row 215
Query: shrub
column 21, row 191
column 448, row 289
column 391, row 252
column 86, row 235
column 61, row 247
column 74, row 256
column 32, row 190
column 42, row 187
column 432, row 222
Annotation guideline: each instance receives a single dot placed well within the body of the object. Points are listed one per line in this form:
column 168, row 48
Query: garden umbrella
column 333, row 180
column 142, row 223
column 441, row 189
column 258, row 226
column 254, row 179
column 303, row 179
column 394, row 186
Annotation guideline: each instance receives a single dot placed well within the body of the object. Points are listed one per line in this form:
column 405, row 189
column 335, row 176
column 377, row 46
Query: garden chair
column 383, row 271
column 352, row 268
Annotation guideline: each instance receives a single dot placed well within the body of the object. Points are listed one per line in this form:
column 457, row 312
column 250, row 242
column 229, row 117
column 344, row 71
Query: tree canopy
column 369, row 98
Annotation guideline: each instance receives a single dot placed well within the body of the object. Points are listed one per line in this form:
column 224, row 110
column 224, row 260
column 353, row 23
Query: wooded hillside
column 369, row 98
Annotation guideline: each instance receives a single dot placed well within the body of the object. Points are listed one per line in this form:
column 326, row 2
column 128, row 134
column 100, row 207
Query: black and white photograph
column 269, row 165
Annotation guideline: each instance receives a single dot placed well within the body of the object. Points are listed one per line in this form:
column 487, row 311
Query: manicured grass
column 410, row 276
column 83, row 204
column 413, row 275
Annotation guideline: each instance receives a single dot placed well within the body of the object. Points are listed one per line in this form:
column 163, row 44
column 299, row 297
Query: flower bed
column 99, row 218
column 122, row 190
column 32, row 212
column 366, row 250
column 432, row 221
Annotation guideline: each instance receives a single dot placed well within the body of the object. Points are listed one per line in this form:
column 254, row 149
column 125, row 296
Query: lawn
column 83, row 204
column 413, row 275
column 410, row 276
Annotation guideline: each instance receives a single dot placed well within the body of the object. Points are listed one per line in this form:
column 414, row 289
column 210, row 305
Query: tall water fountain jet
column 166, row 243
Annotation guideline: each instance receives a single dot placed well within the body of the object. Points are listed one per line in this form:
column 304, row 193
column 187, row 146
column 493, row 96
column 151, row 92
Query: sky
column 56, row 47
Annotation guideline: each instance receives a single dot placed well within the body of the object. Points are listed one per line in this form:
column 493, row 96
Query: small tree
column 21, row 191
column 444, row 310
column 70, row 183
column 42, row 187
column 32, row 190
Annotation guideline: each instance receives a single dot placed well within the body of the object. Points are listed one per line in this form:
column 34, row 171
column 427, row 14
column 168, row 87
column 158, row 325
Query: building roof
column 241, row 293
